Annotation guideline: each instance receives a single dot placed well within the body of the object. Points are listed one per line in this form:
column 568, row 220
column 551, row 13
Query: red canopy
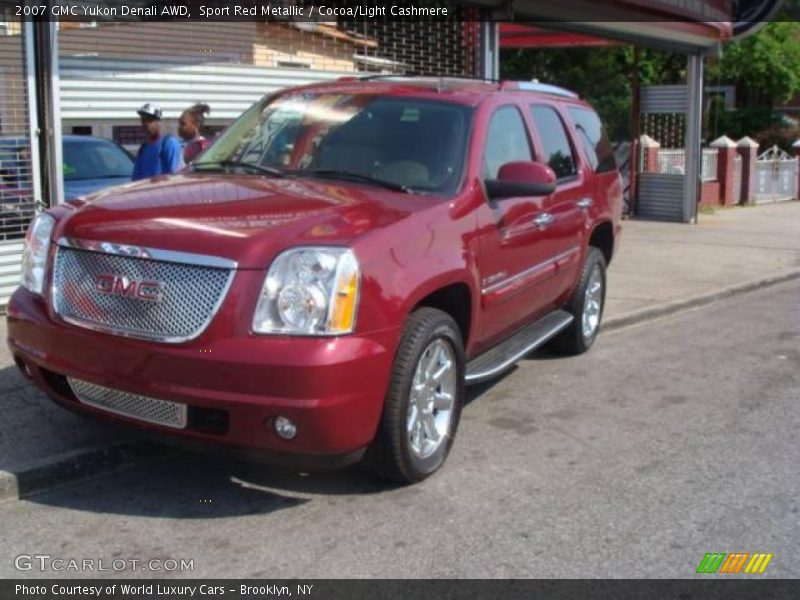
column 516, row 35
column 658, row 33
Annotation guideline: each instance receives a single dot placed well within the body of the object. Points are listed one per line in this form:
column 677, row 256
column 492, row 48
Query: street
column 670, row 439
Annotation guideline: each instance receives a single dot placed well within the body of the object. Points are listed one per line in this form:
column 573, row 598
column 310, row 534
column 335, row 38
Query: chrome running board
column 496, row 360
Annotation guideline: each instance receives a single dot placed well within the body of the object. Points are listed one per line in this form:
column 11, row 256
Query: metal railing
column 776, row 180
column 672, row 161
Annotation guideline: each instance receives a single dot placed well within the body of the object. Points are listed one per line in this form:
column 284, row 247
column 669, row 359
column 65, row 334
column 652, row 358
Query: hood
column 243, row 218
column 74, row 188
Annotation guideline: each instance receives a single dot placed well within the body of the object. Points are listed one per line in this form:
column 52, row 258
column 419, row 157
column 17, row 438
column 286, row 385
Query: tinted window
column 557, row 151
column 411, row 142
column 95, row 160
column 593, row 137
column 506, row 141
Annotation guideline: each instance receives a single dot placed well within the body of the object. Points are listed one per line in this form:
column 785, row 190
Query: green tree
column 765, row 68
column 601, row 75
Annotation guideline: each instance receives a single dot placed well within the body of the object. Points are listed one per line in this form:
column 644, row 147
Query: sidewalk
column 659, row 268
column 661, row 265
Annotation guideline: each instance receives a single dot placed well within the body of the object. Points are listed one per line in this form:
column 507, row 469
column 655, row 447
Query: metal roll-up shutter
column 17, row 185
column 108, row 70
column 661, row 197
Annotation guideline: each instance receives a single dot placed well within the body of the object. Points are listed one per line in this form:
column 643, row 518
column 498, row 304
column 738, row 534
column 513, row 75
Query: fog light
column 285, row 428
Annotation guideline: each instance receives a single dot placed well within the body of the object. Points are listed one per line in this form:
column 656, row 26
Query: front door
column 515, row 267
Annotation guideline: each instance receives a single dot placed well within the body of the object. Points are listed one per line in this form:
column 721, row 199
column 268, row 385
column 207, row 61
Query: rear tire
column 586, row 306
column 423, row 402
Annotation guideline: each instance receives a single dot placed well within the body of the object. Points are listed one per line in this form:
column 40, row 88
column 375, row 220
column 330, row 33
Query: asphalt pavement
column 670, row 439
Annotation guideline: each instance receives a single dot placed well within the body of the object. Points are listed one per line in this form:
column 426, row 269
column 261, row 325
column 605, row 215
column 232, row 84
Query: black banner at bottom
column 390, row 589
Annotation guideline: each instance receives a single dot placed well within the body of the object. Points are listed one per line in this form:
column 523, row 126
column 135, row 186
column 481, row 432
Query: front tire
column 423, row 403
column 586, row 306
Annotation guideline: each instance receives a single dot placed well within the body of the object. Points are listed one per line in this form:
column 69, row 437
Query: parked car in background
column 322, row 284
column 90, row 164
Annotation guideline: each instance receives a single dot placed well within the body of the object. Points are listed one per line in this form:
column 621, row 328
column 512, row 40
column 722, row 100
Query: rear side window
column 557, row 149
column 594, row 139
column 506, row 141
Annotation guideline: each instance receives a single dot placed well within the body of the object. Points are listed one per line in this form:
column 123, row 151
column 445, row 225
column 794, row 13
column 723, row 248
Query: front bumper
column 331, row 388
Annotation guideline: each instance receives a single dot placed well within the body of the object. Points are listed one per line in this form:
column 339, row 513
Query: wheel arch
column 602, row 238
column 455, row 298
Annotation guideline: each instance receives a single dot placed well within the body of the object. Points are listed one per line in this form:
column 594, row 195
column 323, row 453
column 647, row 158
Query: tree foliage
column 601, row 75
column 765, row 68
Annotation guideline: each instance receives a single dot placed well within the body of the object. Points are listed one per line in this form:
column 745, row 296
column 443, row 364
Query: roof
column 83, row 139
column 463, row 90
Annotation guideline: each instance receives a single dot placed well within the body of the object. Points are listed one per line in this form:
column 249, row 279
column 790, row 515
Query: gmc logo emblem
column 119, row 285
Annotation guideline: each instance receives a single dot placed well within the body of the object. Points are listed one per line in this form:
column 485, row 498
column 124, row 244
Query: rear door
column 599, row 153
column 565, row 209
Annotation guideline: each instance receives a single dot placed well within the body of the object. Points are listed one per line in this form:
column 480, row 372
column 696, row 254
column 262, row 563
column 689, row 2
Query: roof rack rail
column 536, row 86
column 400, row 76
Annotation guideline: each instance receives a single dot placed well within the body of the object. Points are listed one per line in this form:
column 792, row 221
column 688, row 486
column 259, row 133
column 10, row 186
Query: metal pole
column 490, row 50
column 45, row 43
column 694, row 124
column 636, row 132
column 33, row 112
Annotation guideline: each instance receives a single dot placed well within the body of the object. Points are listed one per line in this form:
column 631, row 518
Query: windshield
column 95, row 160
column 412, row 144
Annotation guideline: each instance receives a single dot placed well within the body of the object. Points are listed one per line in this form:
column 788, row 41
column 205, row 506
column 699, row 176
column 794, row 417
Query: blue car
column 90, row 164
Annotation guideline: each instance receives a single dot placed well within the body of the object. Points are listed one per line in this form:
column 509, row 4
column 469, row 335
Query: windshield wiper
column 350, row 176
column 271, row 171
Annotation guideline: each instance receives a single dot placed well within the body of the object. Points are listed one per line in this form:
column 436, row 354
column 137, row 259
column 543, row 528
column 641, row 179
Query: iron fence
column 776, row 176
column 776, row 180
column 672, row 161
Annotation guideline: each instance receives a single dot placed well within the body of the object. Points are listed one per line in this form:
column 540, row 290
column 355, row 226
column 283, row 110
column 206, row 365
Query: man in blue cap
column 161, row 153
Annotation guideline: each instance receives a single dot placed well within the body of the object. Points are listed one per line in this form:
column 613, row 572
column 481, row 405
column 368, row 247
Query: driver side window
column 506, row 141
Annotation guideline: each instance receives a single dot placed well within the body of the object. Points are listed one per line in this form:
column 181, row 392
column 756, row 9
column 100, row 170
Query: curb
column 71, row 466
column 663, row 310
column 84, row 463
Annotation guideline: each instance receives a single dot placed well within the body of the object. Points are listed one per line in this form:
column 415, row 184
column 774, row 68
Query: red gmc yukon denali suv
column 322, row 284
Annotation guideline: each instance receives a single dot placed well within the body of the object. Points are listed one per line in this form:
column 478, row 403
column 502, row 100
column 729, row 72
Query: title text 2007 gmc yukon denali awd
column 327, row 277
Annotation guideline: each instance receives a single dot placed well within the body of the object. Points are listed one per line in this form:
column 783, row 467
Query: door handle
column 543, row 220
column 585, row 203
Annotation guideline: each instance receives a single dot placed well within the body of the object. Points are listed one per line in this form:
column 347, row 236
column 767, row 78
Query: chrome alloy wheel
column 593, row 303
column 433, row 392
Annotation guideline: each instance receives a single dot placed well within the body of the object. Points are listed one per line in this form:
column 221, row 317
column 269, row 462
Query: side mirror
column 522, row 178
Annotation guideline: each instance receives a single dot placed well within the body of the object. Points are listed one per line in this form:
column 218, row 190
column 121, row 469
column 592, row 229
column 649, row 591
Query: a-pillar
column 726, row 160
column 748, row 150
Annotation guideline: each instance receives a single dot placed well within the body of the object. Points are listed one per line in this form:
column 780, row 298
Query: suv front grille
column 144, row 408
column 137, row 297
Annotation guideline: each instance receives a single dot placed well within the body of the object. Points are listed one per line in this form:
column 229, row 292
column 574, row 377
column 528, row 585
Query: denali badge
column 119, row 285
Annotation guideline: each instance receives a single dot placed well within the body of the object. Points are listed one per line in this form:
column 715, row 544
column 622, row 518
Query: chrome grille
column 190, row 294
column 144, row 408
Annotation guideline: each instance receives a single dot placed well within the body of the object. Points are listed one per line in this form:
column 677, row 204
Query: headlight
column 34, row 256
column 309, row 291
